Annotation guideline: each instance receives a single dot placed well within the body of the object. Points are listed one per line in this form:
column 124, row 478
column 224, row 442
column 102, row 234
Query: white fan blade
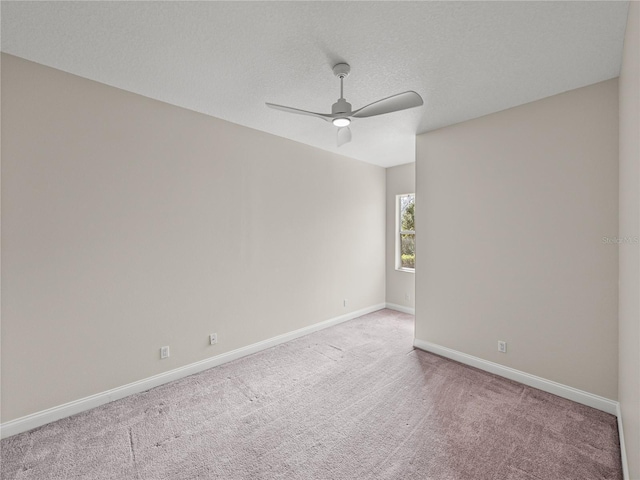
column 322, row 116
column 395, row 103
column 344, row 135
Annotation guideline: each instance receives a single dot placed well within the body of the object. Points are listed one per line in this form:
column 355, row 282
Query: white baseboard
column 623, row 450
column 400, row 308
column 565, row 391
column 38, row 419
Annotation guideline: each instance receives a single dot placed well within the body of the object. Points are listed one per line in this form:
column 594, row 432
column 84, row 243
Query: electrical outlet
column 213, row 338
column 502, row 346
column 407, row 296
column 164, row 352
column 344, row 302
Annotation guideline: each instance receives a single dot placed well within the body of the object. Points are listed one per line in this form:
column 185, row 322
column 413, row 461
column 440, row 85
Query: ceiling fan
column 341, row 113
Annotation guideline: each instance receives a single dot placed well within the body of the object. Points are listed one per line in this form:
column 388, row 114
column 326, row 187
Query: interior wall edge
column 629, row 254
column 623, row 449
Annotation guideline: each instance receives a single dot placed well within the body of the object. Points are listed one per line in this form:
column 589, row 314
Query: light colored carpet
column 351, row 402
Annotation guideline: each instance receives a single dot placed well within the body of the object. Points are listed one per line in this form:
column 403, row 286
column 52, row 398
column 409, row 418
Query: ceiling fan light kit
column 341, row 112
column 341, row 122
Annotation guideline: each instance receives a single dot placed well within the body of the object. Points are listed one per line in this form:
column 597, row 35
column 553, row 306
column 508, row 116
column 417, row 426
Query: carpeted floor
column 355, row 401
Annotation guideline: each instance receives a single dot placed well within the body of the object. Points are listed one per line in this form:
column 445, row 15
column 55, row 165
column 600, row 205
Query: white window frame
column 399, row 233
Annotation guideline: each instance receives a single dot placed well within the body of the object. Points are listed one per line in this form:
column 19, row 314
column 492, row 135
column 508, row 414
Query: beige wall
column 400, row 179
column 629, row 328
column 512, row 211
column 129, row 224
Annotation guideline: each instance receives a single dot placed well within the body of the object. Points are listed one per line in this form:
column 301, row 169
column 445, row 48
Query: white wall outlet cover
column 213, row 338
column 164, row 352
column 502, row 346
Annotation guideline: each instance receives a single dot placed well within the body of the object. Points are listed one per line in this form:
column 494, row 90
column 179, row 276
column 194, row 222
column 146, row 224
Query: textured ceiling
column 226, row 59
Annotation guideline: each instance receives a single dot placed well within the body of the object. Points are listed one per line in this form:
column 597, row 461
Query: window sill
column 408, row 270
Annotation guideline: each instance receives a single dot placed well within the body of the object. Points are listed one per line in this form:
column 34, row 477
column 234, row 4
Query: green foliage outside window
column 407, row 235
column 408, row 216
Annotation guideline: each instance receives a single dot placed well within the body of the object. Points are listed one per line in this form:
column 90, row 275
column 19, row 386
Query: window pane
column 408, row 251
column 407, row 212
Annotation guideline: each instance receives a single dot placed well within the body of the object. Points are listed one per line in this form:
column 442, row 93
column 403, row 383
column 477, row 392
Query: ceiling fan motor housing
column 341, row 106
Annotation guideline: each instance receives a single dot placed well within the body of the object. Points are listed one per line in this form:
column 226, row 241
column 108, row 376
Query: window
column 406, row 232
